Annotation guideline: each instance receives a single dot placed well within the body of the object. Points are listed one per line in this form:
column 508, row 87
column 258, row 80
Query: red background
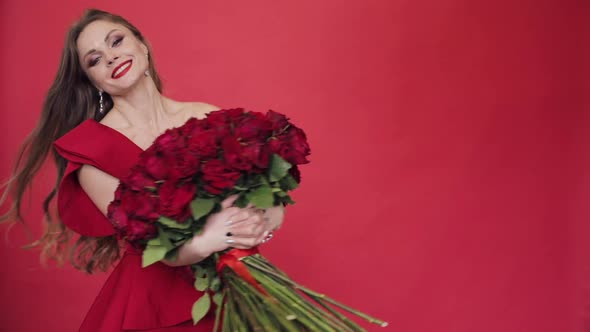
column 449, row 180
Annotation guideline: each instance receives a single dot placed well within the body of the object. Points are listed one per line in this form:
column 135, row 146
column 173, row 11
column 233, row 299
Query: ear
column 144, row 48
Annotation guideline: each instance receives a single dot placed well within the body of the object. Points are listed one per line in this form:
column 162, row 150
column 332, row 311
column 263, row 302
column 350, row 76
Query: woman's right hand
column 235, row 227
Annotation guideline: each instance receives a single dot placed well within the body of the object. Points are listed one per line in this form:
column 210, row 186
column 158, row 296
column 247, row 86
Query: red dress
column 156, row 298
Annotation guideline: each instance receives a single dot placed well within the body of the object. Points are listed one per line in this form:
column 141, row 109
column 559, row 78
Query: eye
column 118, row 41
column 93, row 62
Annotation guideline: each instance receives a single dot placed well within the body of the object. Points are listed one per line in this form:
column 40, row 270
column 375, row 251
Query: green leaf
column 178, row 235
column 152, row 254
column 215, row 285
column 163, row 240
column 201, row 284
column 157, row 249
column 288, row 183
column 173, row 223
column 199, row 271
column 278, row 167
column 287, row 199
column 201, row 307
column 262, row 197
column 261, row 180
column 240, row 188
column 172, row 255
column 242, row 201
column 155, row 241
column 203, row 277
column 201, row 207
column 217, row 298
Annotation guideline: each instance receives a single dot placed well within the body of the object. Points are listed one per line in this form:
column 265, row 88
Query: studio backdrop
column 448, row 187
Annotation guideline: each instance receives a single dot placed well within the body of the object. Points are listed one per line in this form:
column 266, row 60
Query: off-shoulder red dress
column 156, row 298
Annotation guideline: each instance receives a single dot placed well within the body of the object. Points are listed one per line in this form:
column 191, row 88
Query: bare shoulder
column 199, row 110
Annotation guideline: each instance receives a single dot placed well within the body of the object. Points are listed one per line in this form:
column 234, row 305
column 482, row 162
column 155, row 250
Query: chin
column 126, row 83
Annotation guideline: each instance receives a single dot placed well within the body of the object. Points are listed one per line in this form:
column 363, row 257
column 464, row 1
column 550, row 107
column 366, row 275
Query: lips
column 121, row 69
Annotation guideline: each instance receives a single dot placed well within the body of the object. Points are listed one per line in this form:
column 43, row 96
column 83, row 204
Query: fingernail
column 227, row 223
column 265, row 233
column 229, row 241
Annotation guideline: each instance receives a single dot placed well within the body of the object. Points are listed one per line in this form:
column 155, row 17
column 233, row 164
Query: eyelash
column 116, row 43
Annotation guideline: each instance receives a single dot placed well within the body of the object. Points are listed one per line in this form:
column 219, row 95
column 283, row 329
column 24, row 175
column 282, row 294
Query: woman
column 104, row 108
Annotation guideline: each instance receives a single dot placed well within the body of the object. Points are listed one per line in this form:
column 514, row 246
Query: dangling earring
column 100, row 102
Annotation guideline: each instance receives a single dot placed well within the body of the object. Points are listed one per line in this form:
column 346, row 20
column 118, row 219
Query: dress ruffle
column 144, row 299
column 156, row 298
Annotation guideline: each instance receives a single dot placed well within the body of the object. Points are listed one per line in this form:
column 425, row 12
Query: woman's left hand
column 274, row 217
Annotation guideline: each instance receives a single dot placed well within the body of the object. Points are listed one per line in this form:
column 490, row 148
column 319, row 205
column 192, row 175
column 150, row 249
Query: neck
column 143, row 106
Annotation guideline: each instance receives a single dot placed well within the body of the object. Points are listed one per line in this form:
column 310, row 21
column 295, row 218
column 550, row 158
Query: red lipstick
column 119, row 73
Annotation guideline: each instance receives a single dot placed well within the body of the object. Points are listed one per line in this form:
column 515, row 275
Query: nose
column 113, row 59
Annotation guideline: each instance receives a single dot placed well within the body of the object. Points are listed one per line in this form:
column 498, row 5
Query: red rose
column 130, row 226
column 218, row 177
column 203, row 143
column 233, row 154
column 175, row 200
column 222, row 122
column 294, row 147
column 141, row 204
column 186, row 165
column 171, row 140
column 234, row 115
column 278, row 121
column 155, row 167
column 225, row 116
column 140, row 230
column 161, row 159
column 190, row 126
column 117, row 216
column 138, row 180
column 253, row 127
column 256, row 155
column 273, row 145
column 170, row 165
column 120, row 189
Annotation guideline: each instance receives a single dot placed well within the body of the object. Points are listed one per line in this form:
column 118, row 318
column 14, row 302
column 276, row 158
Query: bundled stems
column 244, row 308
column 253, row 261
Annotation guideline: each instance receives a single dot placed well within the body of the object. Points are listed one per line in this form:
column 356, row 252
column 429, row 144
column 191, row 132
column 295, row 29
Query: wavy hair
column 71, row 100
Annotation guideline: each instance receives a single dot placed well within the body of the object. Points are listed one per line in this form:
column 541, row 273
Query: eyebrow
column 105, row 40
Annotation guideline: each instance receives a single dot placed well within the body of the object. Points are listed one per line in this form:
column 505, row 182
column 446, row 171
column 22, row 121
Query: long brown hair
column 71, row 100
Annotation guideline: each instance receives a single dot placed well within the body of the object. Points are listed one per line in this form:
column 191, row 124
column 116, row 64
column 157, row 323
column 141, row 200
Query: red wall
column 449, row 177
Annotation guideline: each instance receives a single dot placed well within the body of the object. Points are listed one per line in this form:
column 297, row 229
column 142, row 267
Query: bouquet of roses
column 184, row 176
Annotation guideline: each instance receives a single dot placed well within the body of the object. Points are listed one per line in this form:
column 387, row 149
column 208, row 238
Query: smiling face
column 111, row 56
